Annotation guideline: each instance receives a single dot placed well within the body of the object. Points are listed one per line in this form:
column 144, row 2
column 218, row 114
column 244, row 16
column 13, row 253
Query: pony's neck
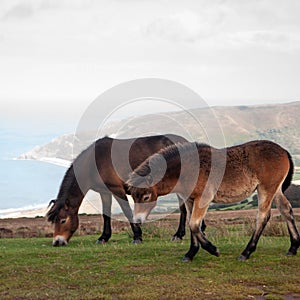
column 73, row 188
column 169, row 184
column 77, row 194
column 164, row 188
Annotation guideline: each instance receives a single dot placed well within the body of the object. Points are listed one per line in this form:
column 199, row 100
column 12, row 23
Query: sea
column 29, row 185
column 26, row 184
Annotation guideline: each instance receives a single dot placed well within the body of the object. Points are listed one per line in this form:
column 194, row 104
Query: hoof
column 136, row 242
column 101, row 242
column 290, row 253
column 217, row 253
column 214, row 251
column 186, row 259
column 242, row 258
column 176, row 238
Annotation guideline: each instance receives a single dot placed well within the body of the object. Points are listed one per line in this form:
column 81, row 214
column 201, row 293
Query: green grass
column 33, row 269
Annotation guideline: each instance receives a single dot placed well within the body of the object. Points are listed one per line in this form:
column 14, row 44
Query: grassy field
column 33, row 269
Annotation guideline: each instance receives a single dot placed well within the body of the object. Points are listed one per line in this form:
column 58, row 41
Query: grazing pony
column 104, row 167
column 223, row 176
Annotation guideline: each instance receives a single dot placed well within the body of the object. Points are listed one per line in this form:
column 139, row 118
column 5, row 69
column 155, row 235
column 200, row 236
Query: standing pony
column 223, row 176
column 104, row 167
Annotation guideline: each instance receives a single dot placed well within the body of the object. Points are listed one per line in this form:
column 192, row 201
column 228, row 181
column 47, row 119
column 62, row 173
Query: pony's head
column 148, row 181
column 64, row 210
column 144, row 195
column 65, row 219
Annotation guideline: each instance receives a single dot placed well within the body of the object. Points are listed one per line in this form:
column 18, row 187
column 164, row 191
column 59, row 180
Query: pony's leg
column 197, row 216
column 180, row 233
column 136, row 229
column 286, row 211
column 194, row 246
column 263, row 216
column 197, row 236
column 106, row 207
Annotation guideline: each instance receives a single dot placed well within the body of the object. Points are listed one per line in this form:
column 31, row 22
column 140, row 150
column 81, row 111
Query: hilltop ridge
column 277, row 122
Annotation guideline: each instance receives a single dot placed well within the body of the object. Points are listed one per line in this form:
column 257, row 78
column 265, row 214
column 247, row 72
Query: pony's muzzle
column 139, row 218
column 59, row 241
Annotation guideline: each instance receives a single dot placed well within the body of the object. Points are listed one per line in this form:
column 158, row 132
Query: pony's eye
column 63, row 221
column 146, row 198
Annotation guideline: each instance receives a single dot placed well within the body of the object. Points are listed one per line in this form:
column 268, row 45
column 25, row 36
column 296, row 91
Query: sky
column 57, row 56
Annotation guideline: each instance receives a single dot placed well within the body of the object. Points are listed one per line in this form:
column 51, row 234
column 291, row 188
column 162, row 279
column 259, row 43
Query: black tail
column 289, row 177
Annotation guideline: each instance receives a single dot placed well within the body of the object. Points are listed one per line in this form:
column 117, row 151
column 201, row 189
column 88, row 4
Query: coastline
column 50, row 160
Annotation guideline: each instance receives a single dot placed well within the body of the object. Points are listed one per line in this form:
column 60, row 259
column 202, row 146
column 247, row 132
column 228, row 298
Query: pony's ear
column 149, row 180
column 52, row 202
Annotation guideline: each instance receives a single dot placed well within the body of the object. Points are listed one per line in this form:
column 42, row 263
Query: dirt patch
column 39, row 227
column 92, row 224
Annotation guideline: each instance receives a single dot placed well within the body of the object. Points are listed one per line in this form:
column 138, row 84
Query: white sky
column 61, row 54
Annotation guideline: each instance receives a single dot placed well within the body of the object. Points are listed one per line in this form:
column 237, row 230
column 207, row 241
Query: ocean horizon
column 26, row 184
column 29, row 186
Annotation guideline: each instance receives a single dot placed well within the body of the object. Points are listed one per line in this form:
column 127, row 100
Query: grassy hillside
column 218, row 125
column 279, row 123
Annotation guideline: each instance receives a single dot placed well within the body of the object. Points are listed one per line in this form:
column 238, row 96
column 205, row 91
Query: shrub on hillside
column 293, row 194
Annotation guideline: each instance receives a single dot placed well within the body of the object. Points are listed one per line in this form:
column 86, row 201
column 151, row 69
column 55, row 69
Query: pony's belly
column 233, row 195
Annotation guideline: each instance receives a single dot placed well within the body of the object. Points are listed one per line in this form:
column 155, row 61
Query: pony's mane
column 154, row 163
column 67, row 182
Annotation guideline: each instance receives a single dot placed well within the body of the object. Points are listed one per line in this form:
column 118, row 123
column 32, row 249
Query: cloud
column 185, row 26
column 20, row 11
column 229, row 25
column 268, row 39
column 82, row 46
